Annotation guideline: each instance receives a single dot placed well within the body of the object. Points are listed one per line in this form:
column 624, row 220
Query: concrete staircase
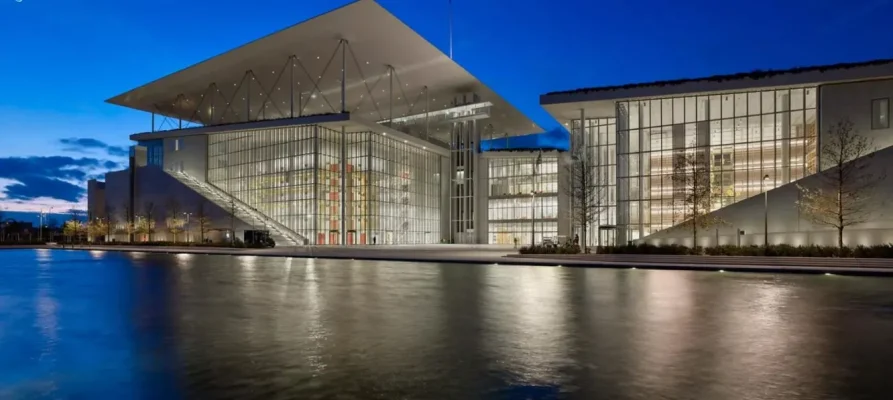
column 244, row 212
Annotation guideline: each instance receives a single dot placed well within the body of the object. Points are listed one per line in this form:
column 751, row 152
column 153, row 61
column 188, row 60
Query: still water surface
column 91, row 325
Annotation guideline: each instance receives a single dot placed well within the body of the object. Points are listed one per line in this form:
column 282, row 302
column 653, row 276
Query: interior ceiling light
column 468, row 108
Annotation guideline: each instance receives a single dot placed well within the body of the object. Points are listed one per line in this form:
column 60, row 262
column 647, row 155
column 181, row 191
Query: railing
column 226, row 200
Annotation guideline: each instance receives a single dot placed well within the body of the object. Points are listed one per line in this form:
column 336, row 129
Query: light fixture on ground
column 765, row 212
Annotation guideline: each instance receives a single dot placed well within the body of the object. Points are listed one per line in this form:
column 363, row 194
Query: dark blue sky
column 60, row 59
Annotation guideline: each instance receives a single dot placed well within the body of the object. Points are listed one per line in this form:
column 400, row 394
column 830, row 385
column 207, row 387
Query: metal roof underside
column 261, row 80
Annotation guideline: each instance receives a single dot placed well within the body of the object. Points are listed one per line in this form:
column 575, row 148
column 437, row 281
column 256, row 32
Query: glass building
column 753, row 141
column 748, row 141
column 293, row 175
column 523, row 199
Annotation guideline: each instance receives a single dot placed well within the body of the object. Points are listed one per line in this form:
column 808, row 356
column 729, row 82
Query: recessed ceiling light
column 384, row 134
column 404, row 141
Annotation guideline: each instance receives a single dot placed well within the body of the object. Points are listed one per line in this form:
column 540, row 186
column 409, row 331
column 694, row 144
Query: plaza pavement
column 506, row 255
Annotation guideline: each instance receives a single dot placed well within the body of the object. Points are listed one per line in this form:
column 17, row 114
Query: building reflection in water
column 168, row 326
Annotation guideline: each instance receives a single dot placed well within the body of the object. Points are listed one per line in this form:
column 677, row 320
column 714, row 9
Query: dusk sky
column 60, row 59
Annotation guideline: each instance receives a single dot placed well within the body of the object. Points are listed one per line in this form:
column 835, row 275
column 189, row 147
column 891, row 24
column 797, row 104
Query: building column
column 316, row 172
column 446, row 224
column 344, row 194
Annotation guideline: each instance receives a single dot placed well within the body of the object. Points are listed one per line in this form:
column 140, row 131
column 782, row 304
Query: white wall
column 853, row 101
column 191, row 156
column 786, row 225
column 156, row 186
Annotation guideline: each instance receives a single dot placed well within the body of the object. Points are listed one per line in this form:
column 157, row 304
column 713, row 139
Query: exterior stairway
column 244, row 212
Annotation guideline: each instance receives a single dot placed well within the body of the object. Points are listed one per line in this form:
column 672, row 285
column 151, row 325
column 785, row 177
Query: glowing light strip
column 462, row 110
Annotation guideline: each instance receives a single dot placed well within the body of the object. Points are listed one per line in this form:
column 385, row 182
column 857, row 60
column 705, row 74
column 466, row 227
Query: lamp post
column 765, row 213
column 187, row 225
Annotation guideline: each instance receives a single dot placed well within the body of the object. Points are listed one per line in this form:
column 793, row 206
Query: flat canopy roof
column 599, row 101
column 300, row 68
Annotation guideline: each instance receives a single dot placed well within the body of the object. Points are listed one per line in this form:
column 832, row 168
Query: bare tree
column 204, row 221
column 129, row 225
column 843, row 191
column 174, row 221
column 586, row 189
column 110, row 221
column 146, row 225
column 692, row 193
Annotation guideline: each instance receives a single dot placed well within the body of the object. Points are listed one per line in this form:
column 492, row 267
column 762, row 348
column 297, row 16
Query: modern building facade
column 351, row 129
column 346, row 129
column 757, row 133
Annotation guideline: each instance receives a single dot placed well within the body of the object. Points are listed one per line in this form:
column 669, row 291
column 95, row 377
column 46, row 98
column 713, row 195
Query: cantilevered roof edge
column 793, row 76
column 110, row 100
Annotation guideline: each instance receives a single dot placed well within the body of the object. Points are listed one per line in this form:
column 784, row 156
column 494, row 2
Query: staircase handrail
column 284, row 230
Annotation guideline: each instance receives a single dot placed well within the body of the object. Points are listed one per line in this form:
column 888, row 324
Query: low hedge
column 776, row 250
column 566, row 249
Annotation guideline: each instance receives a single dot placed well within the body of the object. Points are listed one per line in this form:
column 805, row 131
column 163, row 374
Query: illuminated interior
column 746, row 135
column 523, row 204
column 293, row 175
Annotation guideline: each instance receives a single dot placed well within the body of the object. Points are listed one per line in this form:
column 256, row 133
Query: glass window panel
column 753, row 103
column 810, row 94
column 782, row 100
column 666, row 111
column 796, row 99
column 768, row 102
column 633, row 108
column 645, row 113
column 740, row 104
column 690, row 109
column 703, row 107
column 678, row 110
column 655, row 113
column 715, row 107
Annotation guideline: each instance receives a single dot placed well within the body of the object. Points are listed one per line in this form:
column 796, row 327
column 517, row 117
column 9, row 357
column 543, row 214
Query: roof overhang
column 600, row 102
column 501, row 154
column 351, row 123
column 300, row 68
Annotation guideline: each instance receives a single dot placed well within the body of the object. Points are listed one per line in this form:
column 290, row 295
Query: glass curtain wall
column 600, row 146
column 293, row 175
column 745, row 137
column 521, row 205
column 275, row 171
column 404, row 193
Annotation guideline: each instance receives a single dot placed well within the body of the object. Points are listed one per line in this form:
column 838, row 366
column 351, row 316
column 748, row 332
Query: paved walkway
column 505, row 255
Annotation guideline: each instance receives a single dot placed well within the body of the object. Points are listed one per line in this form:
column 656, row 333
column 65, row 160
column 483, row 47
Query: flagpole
column 451, row 29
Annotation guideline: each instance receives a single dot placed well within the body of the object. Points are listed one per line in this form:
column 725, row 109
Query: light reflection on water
column 93, row 325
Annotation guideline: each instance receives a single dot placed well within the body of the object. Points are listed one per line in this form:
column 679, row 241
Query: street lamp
column 765, row 213
column 187, row 225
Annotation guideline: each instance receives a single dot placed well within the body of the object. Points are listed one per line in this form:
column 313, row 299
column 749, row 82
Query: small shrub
column 779, row 250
